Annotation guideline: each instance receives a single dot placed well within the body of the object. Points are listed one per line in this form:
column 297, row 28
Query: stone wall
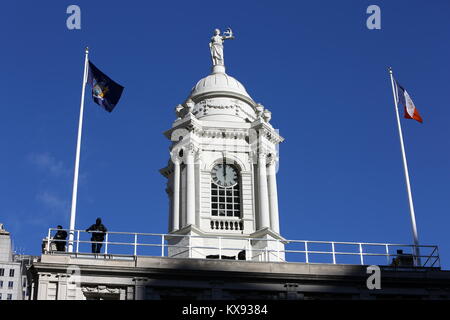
column 137, row 278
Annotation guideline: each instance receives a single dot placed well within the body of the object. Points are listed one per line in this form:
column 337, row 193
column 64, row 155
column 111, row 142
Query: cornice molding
column 267, row 131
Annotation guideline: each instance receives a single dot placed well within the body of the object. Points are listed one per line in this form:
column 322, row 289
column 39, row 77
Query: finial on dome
column 216, row 48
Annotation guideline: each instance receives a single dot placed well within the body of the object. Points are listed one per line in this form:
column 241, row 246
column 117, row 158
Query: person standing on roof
column 97, row 237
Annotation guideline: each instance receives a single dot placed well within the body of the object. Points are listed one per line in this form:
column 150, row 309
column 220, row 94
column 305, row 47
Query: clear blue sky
column 314, row 64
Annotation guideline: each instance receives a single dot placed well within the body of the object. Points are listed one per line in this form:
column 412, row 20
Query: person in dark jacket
column 60, row 238
column 98, row 237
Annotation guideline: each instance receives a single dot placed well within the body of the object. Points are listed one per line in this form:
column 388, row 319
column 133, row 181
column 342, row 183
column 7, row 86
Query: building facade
column 67, row 277
column 14, row 279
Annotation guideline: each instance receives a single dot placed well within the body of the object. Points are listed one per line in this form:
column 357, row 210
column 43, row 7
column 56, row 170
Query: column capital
column 192, row 149
column 140, row 280
column 191, row 154
column 262, row 155
column 175, row 156
column 272, row 159
column 198, row 155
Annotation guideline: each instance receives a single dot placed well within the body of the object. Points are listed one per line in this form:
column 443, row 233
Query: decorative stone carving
column 100, row 290
column 262, row 153
column 269, row 133
column 214, row 104
column 233, row 106
column 179, row 111
column 263, row 113
column 192, row 149
column 259, row 110
column 190, row 105
column 267, row 115
column 179, row 134
column 183, row 110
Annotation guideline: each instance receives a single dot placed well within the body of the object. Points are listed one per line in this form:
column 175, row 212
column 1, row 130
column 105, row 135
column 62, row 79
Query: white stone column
column 198, row 186
column 190, row 188
column 170, row 197
column 273, row 197
column 62, row 287
column 176, row 196
column 43, row 286
column 264, row 220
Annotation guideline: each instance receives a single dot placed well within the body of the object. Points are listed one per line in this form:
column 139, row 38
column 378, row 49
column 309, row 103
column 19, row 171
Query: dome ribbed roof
column 219, row 82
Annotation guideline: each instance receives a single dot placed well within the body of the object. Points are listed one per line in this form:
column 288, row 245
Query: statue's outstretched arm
column 227, row 37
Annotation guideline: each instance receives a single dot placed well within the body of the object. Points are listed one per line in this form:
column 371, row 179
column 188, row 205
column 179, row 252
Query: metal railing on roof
column 129, row 244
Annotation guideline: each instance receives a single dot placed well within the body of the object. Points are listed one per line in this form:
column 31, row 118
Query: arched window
column 225, row 191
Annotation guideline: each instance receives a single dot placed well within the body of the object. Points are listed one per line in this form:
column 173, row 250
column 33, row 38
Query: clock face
column 224, row 175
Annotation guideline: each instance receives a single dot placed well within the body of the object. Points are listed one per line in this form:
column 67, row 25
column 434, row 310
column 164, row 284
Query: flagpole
column 77, row 157
column 408, row 186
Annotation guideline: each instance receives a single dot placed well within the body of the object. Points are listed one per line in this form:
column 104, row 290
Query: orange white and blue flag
column 403, row 98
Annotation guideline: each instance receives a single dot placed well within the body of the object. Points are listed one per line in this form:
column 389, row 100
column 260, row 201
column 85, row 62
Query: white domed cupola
column 221, row 97
column 221, row 177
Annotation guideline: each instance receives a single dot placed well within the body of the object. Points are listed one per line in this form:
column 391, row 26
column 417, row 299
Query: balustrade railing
column 231, row 225
column 127, row 244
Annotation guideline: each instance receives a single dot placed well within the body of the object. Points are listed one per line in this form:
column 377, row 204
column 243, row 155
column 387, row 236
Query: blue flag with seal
column 105, row 92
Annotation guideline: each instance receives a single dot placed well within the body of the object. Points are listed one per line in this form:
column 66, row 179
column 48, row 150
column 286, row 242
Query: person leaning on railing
column 97, row 237
column 403, row 259
column 60, row 238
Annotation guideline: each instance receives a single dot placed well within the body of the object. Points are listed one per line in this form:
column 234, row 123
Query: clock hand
column 224, row 171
